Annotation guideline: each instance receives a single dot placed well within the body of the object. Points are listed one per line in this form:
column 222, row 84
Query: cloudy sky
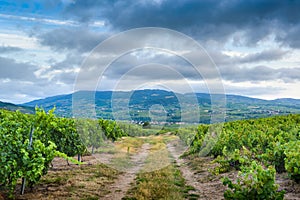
column 255, row 45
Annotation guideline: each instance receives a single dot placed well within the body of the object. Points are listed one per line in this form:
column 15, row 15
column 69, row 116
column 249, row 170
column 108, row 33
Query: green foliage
column 111, row 129
column 232, row 160
column 273, row 141
column 91, row 134
column 61, row 131
column 254, row 182
column 292, row 160
column 265, row 139
column 52, row 137
column 18, row 158
column 193, row 137
column 275, row 156
column 146, row 125
column 199, row 137
column 135, row 130
column 260, row 136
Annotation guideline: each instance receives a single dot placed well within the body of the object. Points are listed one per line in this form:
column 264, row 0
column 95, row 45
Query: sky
column 254, row 46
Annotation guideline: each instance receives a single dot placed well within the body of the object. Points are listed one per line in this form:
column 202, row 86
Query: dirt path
column 122, row 184
column 187, row 174
column 206, row 185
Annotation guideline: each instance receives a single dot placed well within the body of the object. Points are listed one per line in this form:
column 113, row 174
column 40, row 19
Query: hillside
column 13, row 107
column 177, row 106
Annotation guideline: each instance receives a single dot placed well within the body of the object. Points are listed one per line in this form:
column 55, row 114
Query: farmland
column 169, row 164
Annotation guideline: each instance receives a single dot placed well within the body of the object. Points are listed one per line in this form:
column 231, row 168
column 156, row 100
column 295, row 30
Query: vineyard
column 258, row 149
column 135, row 162
column 30, row 158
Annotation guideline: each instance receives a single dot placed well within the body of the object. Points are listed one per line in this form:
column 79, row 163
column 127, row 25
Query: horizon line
column 226, row 94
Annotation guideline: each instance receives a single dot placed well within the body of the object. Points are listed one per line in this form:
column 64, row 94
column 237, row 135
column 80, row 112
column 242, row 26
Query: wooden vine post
column 29, row 146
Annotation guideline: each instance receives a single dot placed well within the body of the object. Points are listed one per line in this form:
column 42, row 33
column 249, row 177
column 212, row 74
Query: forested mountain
column 117, row 105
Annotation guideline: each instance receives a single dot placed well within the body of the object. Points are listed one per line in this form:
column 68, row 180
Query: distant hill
column 287, row 101
column 177, row 107
column 13, row 107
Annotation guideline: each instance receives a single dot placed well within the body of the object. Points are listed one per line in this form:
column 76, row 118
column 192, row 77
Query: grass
column 160, row 178
column 121, row 161
column 165, row 183
column 124, row 149
column 55, row 180
column 129, row 144
column 73, row 182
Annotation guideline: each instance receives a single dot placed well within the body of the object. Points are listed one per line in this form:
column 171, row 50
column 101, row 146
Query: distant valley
column 135, row 106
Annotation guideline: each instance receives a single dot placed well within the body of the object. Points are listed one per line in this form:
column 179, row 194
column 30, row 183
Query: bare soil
column 207, row 186
column 122, row 184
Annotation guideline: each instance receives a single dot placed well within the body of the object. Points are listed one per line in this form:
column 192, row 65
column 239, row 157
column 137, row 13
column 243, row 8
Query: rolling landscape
column 129, row 160
column 150, row 100
column 237, row 107
column 13, row 107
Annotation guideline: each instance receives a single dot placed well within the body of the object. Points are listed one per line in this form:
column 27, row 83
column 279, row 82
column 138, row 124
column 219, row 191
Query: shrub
column 254, row 182
column 292, row 160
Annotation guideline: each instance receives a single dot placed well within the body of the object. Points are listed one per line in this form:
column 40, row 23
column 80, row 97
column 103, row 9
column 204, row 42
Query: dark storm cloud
column 291, row 36
column 239, row 74
column 230, row 68
column 20, row 82
column 10, row 69
column 222, row 59
column 9, row 49
column 67, row 68
column 290, row 74
column 78, row 39
column 267, row 55
column 208, row 19
column 72, row 60
column 260, row 73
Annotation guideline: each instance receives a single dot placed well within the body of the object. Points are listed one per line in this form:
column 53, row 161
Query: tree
column 146, row 125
